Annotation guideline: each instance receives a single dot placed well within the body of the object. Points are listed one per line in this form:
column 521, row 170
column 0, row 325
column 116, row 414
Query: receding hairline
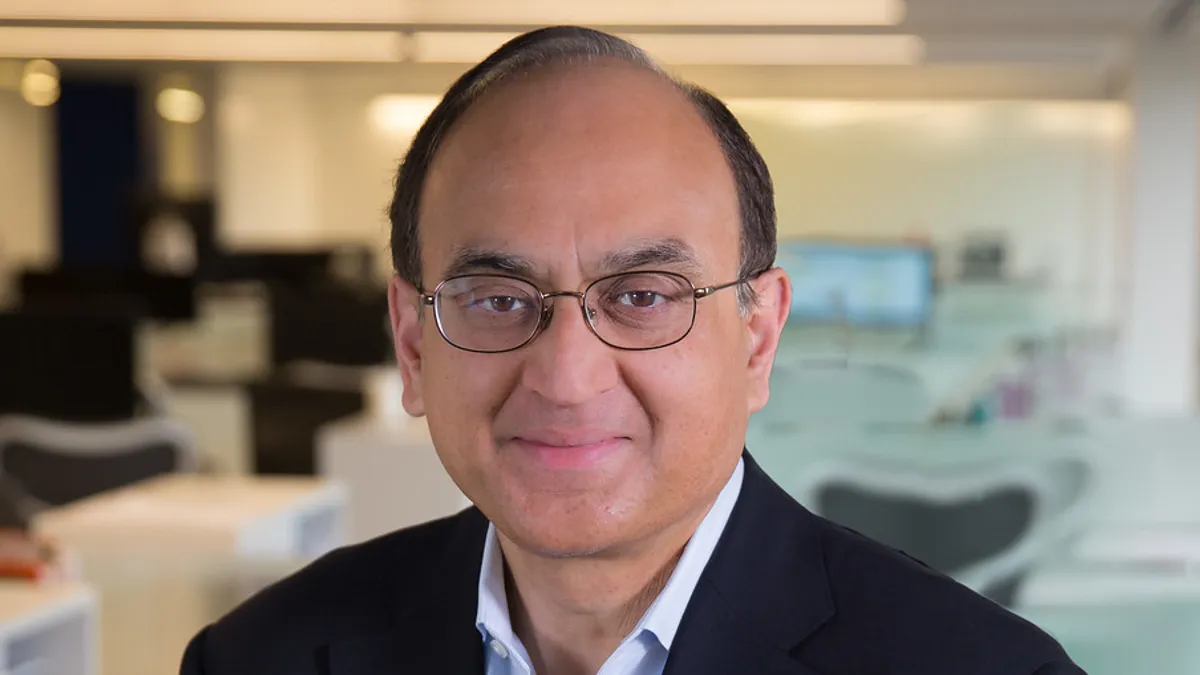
column 565, row 69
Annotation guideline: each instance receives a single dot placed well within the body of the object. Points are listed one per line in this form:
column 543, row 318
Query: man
column 586, row 311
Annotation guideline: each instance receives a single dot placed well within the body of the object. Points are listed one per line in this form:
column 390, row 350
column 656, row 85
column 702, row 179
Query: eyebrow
column 671, row 253
column 467, row 260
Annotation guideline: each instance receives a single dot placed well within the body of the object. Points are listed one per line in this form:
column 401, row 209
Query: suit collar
column 764, row 592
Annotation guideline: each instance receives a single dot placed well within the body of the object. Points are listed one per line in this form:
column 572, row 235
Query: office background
column 989, row 211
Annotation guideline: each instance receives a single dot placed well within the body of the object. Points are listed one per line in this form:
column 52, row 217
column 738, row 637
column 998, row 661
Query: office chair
column 982, row 518
column 55, row 463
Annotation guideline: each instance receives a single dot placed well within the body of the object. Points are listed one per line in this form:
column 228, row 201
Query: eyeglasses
column 632, row 311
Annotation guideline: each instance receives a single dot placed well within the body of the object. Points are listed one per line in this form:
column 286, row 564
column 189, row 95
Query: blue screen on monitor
column 887, row 285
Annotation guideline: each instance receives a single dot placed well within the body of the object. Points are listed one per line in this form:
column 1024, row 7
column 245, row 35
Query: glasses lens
column 486, row 313
column 641, row 310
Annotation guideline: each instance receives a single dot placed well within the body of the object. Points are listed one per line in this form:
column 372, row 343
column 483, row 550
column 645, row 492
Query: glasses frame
column 547, row 308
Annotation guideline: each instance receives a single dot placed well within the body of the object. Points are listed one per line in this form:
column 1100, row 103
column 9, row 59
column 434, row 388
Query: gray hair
column 570, row 45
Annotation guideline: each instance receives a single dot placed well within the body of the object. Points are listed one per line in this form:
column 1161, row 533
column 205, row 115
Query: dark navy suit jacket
column 785, row 593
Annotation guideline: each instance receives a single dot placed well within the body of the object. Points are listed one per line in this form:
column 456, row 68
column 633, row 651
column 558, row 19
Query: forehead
column 580, row 161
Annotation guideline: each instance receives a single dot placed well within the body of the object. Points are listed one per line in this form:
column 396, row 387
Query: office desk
column 391, row 471
column 183, row 513
column 163, row 554
column 949, row 379
column 47, row 629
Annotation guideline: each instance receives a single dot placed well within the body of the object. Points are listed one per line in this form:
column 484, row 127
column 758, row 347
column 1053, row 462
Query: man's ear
column 764, row 324
column 404, row 305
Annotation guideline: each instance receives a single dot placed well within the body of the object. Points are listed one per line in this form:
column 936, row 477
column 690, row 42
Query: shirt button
column 499, row 649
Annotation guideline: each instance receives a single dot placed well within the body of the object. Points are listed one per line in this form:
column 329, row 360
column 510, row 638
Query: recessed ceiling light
column 180, row 105
column 40, row 83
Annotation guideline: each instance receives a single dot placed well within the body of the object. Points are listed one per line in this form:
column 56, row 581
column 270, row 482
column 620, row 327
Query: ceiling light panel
column 664, row 12
column 152, row 44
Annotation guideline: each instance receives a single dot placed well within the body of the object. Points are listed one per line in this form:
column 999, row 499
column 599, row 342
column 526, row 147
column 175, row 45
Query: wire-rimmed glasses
column 633, row 311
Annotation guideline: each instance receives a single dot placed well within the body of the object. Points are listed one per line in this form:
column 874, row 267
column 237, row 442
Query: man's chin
column 564, row 542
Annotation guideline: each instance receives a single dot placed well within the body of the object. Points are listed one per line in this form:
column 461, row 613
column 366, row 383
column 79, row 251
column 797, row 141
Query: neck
column 572, row 613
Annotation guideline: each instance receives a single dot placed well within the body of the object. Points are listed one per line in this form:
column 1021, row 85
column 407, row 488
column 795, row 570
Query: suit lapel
column 763, row 592
column 716, row 642
column 434, row 627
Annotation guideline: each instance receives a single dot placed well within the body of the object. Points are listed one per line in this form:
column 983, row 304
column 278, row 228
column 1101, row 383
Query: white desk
column 209, row 515
column 391, row 471
column 47, row 629
column 166, row 555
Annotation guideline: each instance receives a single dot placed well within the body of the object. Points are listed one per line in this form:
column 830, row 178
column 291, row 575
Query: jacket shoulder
column 349, row 591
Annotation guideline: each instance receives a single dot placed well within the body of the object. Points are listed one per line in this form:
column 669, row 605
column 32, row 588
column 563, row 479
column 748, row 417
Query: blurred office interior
column 989, row 211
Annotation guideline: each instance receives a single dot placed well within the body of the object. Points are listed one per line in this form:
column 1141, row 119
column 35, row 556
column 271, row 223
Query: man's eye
column 640, row 299
column 500, row 304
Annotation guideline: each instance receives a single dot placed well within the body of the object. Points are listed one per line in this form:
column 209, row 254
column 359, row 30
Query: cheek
column 463, row 392
column 691, row 392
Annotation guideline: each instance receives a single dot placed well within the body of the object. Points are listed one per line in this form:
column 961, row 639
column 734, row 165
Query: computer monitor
column 871, row 285
column 329, row 323
column 155, row 296
column 77, row 367
column 291, row 267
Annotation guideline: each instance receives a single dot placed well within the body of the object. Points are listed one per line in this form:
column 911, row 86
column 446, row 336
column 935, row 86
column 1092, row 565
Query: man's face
column 569, row 446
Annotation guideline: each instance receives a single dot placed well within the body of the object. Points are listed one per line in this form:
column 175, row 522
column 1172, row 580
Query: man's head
column 565, row 157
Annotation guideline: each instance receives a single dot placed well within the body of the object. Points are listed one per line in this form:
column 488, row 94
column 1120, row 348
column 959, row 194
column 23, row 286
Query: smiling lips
column 574, row 449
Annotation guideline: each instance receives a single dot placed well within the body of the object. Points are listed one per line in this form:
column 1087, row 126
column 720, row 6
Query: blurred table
column 951, row 373
column 47, row 629
column 242, row 515
column 391, row 470
column 171, row 554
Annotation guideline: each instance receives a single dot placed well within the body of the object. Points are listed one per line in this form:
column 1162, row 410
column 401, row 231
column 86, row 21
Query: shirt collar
column 665, row 613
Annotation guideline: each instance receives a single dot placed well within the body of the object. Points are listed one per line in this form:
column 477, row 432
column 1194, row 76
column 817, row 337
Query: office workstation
column 138, row 414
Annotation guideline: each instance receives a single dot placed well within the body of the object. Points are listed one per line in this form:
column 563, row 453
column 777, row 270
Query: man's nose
column 567, row 364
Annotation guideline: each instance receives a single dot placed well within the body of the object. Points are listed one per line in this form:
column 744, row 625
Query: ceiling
column 957, row 16
column 971, row 48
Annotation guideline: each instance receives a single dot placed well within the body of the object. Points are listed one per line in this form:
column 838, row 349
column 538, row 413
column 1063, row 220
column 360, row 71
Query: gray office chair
column 982, row 518
column 47, row 463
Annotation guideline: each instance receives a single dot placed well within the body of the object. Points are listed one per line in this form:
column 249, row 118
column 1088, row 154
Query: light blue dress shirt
column 644, row 651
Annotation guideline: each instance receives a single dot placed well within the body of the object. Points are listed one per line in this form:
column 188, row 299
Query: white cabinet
column 47, row 630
